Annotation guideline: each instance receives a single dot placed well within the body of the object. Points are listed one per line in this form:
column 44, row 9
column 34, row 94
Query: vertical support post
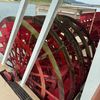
column 17, row 23
column 93, row 79
column 93, row 19
column 43, row 34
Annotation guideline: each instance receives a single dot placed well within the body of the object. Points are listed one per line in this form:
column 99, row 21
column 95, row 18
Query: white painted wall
column 11, row 8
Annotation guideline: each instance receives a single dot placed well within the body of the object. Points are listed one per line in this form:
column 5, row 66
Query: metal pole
column 17, row 23
column 93, row 79
column 43, row 34
column 93, row 19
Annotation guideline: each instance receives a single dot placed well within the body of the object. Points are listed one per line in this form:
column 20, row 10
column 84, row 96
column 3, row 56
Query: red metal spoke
column 53, row 97
column 41, row 78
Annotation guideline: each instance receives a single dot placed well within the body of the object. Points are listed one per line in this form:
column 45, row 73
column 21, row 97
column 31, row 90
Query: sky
column 90, row 1
column 95, row 2
column 6, row 10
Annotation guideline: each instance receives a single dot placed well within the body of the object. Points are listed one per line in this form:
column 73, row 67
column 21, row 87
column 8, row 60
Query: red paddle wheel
column 63, row 63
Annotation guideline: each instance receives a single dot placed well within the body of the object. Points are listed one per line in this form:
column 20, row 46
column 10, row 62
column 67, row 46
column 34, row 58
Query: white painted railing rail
column 17, row 23
column 43, row 34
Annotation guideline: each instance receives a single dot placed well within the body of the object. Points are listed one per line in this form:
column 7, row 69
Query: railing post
column 93, row 79
column 43, row 34
column 17, row 23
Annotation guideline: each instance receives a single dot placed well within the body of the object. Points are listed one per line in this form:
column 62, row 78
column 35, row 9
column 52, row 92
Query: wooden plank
column 6, row 93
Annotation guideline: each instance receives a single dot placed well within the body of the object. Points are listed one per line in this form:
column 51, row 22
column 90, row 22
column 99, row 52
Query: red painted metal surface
column 63, row 62
column 86, row 20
